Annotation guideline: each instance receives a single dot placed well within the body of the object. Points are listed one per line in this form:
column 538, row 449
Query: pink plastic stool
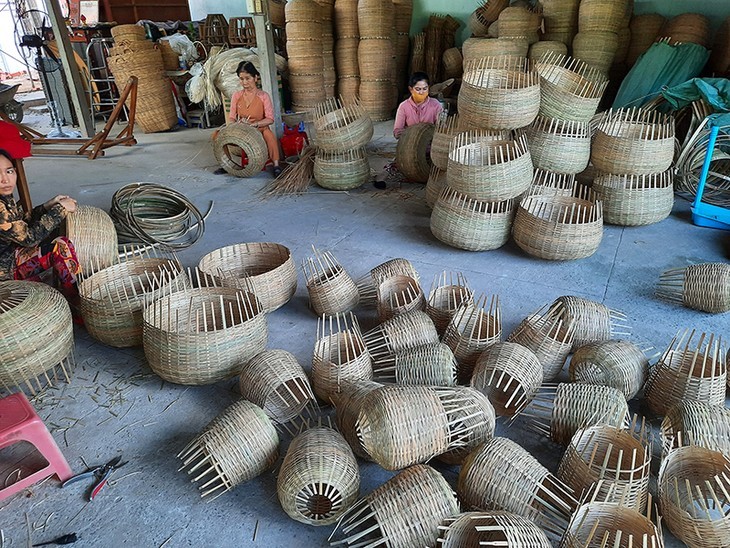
column 20, row 422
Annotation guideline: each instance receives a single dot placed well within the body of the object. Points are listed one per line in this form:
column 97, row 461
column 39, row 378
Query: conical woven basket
column 521, row 21
column 341, row 127
column 330, row 287
column 696, row 423
column 560, row 20
column 493, row 528
column 596, row 48
column 562, row 146
column 635, row 200
column 593, row 321
column 412, row 152
column 347, row 405
column 619, row 364
column 237, row 139
column 610, row 524
column 448, row 292
column 94, row 237
column 601, row 15
column 427, row 365
column 703, row 287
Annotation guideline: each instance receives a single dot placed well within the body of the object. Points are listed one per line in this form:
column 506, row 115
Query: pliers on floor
column 101, row 473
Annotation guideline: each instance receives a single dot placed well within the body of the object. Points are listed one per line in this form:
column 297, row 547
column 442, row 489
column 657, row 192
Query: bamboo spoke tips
column 696, row 423
column 449, row 291
column 593, row 321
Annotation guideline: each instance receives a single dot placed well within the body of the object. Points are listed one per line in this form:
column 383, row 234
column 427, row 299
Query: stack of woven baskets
column 402, row 42
column 329, row 74
column 346, row 44
column 603, row 26
column 375, row 55
column 304, row 45
column 132, row 55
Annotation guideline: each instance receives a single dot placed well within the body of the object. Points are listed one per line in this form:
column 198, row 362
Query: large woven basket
column 265, row 268
column 561, row 146
column 94, row 237
column 445, row 130
column 494, row 528
column 593, row 321
column 238, row 445
column 411, row 153
column 499, row 93
column 704, row 286
column 341, row 127
column 550, row 183
column 348, row 402
column 434, row 185
column 696, row 423
column 635, row 200
column 234, row 141
column 688, row 27
column 506, row 48
column 560, row 19
column 619, row 364
column 330, row 287
column 375, row 18
column 375, row 58
column 127, row 32
column 596, row 48
column 302, row 10
column 609, row 524
column 375, row 98
column 448, row 292
column 453, row 63
column 341, row 170
column 538, row 49
column 634, row 141
column 203, row 335
column 521, row 22
column 645, row 28
column 485, row 14
column 427, row 365
column 319, row 478
column 601, row 15
column 37, row 341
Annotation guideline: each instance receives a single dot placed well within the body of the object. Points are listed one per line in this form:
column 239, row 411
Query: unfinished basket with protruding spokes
column 694, row 496
column 399, row 333
column 341, row 170
column 477, row 418
column 341, row 126
column 449, row 291
column 319, row 478
column 509, row 374
column 619, row 364
column 494, row 528
column 561, row 146
column 398, row 295
column 593, row 321
column 426, row 365
column 703, row 287
column 94, row 237
column 405, row 511
column 549, row 183
column 348, row 402
column 635, row 200
column 689, row 370
column 549, row 335
column 368, row 284
column 696, row 423
column 236, row 446
column 446, row 128
column 501, row 475
column 434, row 185
column 339, row 355
column 275, row 381
column 331, row 288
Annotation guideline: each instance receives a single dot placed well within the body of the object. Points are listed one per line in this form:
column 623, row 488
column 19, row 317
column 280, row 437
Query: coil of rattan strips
column 634, row 141
column 569, row 88
column 561, row 146
column 704, row 286
column 434, row 185
column 445, row 130
column 94, row 237
column 557, row 412
column 610, row 462
column 205, row 334
column 635, row 200
column 398, row 295
column 275, row 381
column 593, row 321
column 471, row 224
column 499, row 93
column 696, row 423
column 400, row 333
column 412, row 152
column 266, row 268
column 319, row 478
column 235, row 140
column 331, row 289
column 474, row 327
column 426, row 365
column 509, row 374
column 693, row 487
column 405, row 511
column 339, row 355
column 341, row 126
column 620, row 364
column 113, row 299
column 368, row 285
column 493, row 528
column 549, row 336
column 348, row 403
column 549, row 183
column 342, row 170
column 501, row 475
column 37, row 342
column 477, row 414
column 449, row 290
column 559, row 228
column 238, row 445
column 691, row 369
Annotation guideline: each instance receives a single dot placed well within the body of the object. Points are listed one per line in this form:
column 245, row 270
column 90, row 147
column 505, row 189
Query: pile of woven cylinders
column 375, row 57
column 346, row 43
column 603, row 36
column 304, row 46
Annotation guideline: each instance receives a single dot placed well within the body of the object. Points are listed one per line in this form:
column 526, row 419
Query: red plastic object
column 20, row 422
column 293, row 141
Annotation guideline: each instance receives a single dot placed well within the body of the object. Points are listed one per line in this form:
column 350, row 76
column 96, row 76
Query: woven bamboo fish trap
column 559, row 412
column 645, row 29
column 37, row 342
column 398, row 295
column 341, row 170
column 619, row 364
column 445, row 130
column 597, row 524
column 339, row 355
column 275, row 381
column 559, row 228
column 266, row 268
column 113, row 299
column 449, row 291
column 635, row 200
column 242, row 32
column 508, row 49
column 347, row 405
column 549, row 183
column 434, row 31
column 375, row 18
column 549, row 335
column 485, row 14
column 127, row 32
column 596, row 48
column 520, row 21
column 500, row 93
column 399, row 333
column 538, row 49
column 493, row 528
column 688, row 27
column 474, row 327
column 203, row 335
column 719, row 61
column 601, row 15
column 489, row 170
column 368, row 284
column 501, row 475
column 688, row 372
column 453, row 63
column 562, row 146
column 704, row 286
column 594, row 321
column 331, row 289
column 611, row 462
column 341, row 127
column 412, row 152
column 319, row 478
column 696, row 423
column 509, row 374
column 234, row 141
column 405, row 511
column 427, row 365
column 238, row 445
column 418, row 51
column 93, row 234
column 479, row 418
column 693, row 487
column 634, row 141
column 569, row 88
column 434, row 185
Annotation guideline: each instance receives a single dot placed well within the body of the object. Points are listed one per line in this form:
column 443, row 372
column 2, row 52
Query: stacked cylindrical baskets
column 375, row 55
column 603, row 33
column 304, row 48
column 329, row 75
column 347, row 38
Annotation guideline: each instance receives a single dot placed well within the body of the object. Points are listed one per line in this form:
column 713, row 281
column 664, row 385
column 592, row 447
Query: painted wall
column 458, row 9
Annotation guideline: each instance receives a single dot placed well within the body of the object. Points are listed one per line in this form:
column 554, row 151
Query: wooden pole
column 265, row 46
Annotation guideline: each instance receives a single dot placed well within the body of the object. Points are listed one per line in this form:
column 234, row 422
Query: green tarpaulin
column 714, row 91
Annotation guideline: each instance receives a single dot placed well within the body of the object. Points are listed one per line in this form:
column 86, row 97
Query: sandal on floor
column 220, row 171
column 276, row 171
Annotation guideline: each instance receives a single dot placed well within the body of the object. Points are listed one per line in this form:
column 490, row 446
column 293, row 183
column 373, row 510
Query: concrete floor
column 116, row 404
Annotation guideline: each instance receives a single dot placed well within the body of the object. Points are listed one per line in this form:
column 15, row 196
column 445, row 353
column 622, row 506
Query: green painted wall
column 458, row 9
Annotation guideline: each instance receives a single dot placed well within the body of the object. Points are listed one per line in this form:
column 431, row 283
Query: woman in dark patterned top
column 26, row 244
